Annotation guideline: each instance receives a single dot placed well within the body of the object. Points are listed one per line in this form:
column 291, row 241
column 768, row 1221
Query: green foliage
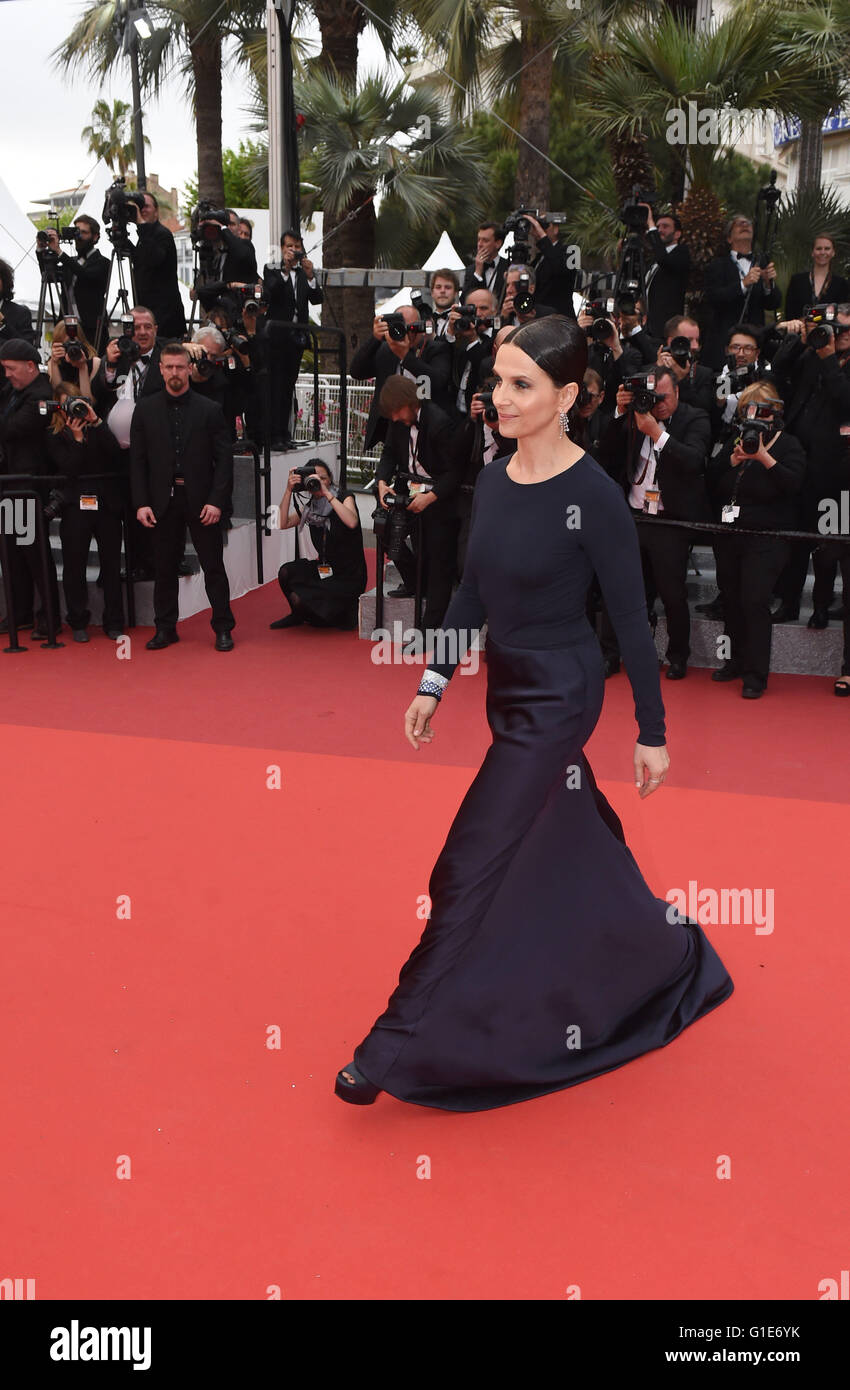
column 803, row 216
column 239, row 192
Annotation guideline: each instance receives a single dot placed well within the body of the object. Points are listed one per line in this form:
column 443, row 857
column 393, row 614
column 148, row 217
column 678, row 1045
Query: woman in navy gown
column 547, row 959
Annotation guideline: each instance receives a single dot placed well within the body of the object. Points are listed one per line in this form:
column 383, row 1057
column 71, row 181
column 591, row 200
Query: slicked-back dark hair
column 556, row 344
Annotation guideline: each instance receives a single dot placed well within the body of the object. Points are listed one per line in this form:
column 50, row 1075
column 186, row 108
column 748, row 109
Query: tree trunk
column 811, row 156
column 340, row 22
column 535, row 84
column 206, row 67
column 352, row 309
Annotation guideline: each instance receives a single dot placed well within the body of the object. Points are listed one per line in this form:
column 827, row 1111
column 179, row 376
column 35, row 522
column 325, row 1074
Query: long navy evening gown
column 547, row 959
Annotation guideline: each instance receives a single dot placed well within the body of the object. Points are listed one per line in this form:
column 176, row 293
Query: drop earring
column 565, row 424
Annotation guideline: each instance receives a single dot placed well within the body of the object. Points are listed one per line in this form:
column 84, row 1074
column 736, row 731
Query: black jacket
column 106, row 394
column 768, row 497
column 665, row 293
column 681, row 463
column 99, row 452
column 284, row 303
column 437, row 450
column 239, row 266
column 472, row 282
column 88, row 281
column 640, row 350
column 723, row 297
column 374, row 359
column 155, row 276
column 23, row 428
column 799, row 293
column 698, row 388
column 17, row 323
column 207, row 462
column 476, row 355
column 816, row 393
column 555, row 280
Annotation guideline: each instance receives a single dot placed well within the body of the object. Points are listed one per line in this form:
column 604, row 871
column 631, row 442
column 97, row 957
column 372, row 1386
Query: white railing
column 361, row 461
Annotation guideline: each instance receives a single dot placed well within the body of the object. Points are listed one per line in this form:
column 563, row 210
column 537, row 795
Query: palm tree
column 378, row 140
column 191, row 33
column 110, row 135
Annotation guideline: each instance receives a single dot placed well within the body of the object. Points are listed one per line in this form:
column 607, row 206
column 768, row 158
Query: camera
column 398, row 328
column 491, row 414
column 75, row 407
column 736, row 378
column 307, row 474
column 523, row 295
column 424, row 309
column 680, row 351
column 389, row 519
column 822, row 316
column 235, row 340
column 127, row 346
column 517, row 222
column 74, row 350
column 116, row 213
column 644, row 395
column 55, row 504
column 759, row 422
column 204, row 237
column 634, row 217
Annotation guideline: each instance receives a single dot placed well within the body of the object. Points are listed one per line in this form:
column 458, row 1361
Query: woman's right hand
column 417, row 720
column 57, row 351
column 293, row 481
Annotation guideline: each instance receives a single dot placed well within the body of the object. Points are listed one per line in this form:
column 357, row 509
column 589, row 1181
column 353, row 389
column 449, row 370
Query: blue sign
column 789, row 129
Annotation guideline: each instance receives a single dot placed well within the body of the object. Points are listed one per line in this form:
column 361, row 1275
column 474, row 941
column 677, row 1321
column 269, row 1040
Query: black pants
column 26, row 578
column 789, row 585
column 284, row 366
column 664, row 556
column 76, row 530
column 438, row 537
column 747, row 570
column 168, row 536
column 842, row 554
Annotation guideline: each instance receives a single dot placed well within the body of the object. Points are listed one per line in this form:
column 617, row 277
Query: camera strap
column 651, row 458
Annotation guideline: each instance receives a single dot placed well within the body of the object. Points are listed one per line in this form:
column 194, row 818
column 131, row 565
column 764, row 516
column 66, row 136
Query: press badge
column 730, row 513
column 88, row 503
column 416, row 488
column 325, row 571
column 652, row 497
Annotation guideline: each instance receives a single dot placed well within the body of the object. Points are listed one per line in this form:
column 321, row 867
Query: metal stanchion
column 14, row 645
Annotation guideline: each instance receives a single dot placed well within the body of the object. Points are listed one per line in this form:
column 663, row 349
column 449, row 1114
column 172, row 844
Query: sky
column 40, row 148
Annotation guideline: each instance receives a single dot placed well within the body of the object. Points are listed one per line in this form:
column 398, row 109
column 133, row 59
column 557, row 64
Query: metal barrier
column 325, row 389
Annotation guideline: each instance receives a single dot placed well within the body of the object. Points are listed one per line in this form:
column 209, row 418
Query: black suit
column 17, row 323
column 155, row 276
column 433, row 359
column 23, row 440
column 698, row 388
column 555, row 280
column 665, row 292
column 475, row 353
column 235, row 262
column 724, row 297
column 799, row 293
column 88, row 279
column 680, row 476
column 105, row 393
column 206, row 463
column 436, row 452
column 471, row 281
column 98, row 452
column 287, row 304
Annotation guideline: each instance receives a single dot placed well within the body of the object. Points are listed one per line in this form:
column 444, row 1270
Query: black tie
column 744, row 255
column 488, row 265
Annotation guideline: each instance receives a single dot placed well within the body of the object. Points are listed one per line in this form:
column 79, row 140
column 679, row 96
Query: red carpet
column 253, row 908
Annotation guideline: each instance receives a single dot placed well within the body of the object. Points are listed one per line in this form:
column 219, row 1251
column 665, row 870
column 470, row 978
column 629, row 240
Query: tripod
column 56, row 298
column 764, row 231
column 119, row 255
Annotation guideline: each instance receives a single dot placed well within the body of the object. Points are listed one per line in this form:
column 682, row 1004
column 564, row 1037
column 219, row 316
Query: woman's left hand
column 651, row 766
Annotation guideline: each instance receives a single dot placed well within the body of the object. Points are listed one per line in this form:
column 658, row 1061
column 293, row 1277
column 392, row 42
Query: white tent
column 444, row 256
column 92, row 204
column 17, row 246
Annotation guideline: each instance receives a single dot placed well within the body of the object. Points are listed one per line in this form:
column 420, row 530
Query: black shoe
column 358, row 1092
column 401, row 591
column 837, row 615
column 140, row 574
column 80, row 635
column 726, row 672
column 611, row 666
column 223, row 642
column 186, row 567
column 785, row 614
column 677, row 670
column 161, row 638
column 291, row 620
column 22, row 627
column 713, row 609
column 114, row 633
column 280, row 446
column 751, row 691
column 819, row 619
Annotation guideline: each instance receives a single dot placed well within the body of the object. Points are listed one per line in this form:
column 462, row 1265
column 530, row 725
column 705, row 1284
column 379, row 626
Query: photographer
column 287, row 292
column 87, row 275
column 227, row 262
column 604, row 348
column 15, row 319
column 727, row 279
column 478, row 443
column 420, row 441
column 323, row 592
column 554, row 277
column 445, row 291
column 743, row 366
column 812, row 369
column 679, row 352
column 818, row 285
column 470, row 332
column 72, row 357
column 640, row 349
column 520, row 303
column 23, row 450
column 667, row 277
column 399, row 346
column 154, row 259
column 756, row 480
column 658, row 455
column 234, row 357
column 253, row 321
column 487, row 271
column 591, row 413
column 79, row 443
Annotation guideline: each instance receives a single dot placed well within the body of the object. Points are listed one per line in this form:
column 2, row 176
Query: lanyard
column 651, row 457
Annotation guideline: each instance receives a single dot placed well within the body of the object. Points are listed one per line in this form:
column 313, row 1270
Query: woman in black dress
column 323, row 592
column 547, row 959
column 818, row 285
